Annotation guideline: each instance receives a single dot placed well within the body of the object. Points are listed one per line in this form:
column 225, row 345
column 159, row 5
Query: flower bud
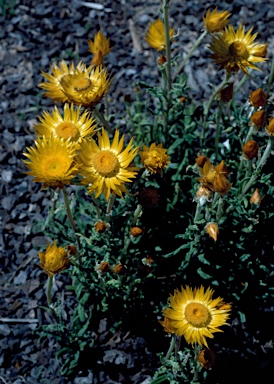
column 250, row 149
column 136, row 231
column 270, row 127
column 258, row 98
column 72, row 249
column 161, row 60
column 118, row 268
column 100, row 226
column 258, row 118
column 102, row 267
column 256, row 197
column 262, row 51
column 226, row 93
column 213, row 230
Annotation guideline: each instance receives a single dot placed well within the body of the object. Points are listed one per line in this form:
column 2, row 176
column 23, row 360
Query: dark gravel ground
column 33, row 35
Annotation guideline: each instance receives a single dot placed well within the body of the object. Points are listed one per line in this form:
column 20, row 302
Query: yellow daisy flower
column 156, row 35
column 86, row 86
column 99, row 47
column 72, row 125
column 54, row 259
column 195, row 315
column 106, row 167
column 51, row 161
column 53, row 88
column 215, row 21
column 234, row 50
column 154, row 158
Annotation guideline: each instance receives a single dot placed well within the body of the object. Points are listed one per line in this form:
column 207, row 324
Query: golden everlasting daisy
column 234, row 50
column 86, row 86
column 156, row 35
column 54, row 259
column 51, row 161
column 53, row 87
column 215, row 178
column 99, row 47
column 215, row 21
column 195, row 315
column 154, row 158
column 106, row 167
column 72, row 125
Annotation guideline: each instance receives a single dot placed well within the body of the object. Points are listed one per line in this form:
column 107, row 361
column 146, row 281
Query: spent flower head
column 258, row 98
column 154, row 158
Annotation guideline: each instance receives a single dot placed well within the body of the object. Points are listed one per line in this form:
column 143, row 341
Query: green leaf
column 203, row 274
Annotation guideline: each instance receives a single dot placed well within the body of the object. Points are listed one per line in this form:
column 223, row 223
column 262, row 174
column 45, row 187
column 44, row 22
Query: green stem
column 48, row 290
column 171, row 347
column 219, row 209
column 70, row 218
column 167, row 41
column 100, row 117
column 271, row 77
column 258, row 169
column 243, row 159
column 198, row 211
column 111, row 201
column 198, row 42
column 217, row 135
column 214, row 94
column 239, row 86
column 137, row 213
column 196, row 365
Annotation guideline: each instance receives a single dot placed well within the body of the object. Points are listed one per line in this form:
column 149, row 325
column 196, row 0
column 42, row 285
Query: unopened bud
column 213, row 230
column 256, row 197
column 118, row 268
column 258, row 118
column 136, row 231
column 102, row 267
column 270, row 127
column 206, row 358
column 161, row 60
column 258, row 98
column 72, row 249
column 100, row 226
column 250, row 149
column 226, row 94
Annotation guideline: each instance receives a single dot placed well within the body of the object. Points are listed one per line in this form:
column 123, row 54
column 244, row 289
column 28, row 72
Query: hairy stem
column 104, row 122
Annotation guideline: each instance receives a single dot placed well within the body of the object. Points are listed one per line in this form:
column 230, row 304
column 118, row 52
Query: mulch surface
column 33, row 35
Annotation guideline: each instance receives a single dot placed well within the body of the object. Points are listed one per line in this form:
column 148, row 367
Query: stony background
column 33, row 35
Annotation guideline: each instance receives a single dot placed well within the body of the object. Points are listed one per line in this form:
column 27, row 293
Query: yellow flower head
column 234, row 50
column 215, row 178
column 86, row 86
column 53, row 87
column 54, row 259
column 156, row 35
column 195, row 315
column 215, row 21
column 51, row 161
column 106, row 167
column 72, row 125
column 154, row 158
column 99, row 47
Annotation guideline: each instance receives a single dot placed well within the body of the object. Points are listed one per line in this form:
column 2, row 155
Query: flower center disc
column 105, row 162
column 197, row 315
column 82, row 85
column 55, row 168
column 67, row 130
column 238, row 49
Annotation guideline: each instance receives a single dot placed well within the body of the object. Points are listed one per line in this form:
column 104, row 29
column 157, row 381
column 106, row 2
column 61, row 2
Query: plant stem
column 239, row 86
column 137, row 213
column 171, row 347
column 198, row 211
column 248, row 137
column 70, row 218
column 167, row 41
column 219, row 209
column 48, row 290
column 196, row 364
column 198, row 42
column 214, row 94
column 271, row 76
column 111, row 201
column 217, row 135
column 100, row 117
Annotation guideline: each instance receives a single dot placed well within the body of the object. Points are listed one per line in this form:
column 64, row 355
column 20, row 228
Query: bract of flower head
column 54, row 259
column 256, row 197
column 235, row 50
column 53, row 87
column 154, row 158
column 195, row 315
column 216, row 21
column 86, row 86
column 99, row 47
column 52, row 161
column 258, row 118
column 250, row 149
column 106, row 167
column 215, row 178
column 71, row 125
column 156, row 35
column 258, row 98
column 270, row 127
column 101, row 226
column 213, row 230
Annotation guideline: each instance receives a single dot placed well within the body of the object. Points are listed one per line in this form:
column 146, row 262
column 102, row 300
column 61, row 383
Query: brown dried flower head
column 258, row 98
column 166, row 323
column 226, row 93
column 270, row 127
column 136, row 231
column 118, row 268
column 250, row 149
column 206, row 358
column 256, row 197
column 213, row 230
column 102, row 267
column 100, row 226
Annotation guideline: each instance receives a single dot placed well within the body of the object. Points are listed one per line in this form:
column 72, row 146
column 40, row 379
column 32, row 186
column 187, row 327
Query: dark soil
column 34, row 34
